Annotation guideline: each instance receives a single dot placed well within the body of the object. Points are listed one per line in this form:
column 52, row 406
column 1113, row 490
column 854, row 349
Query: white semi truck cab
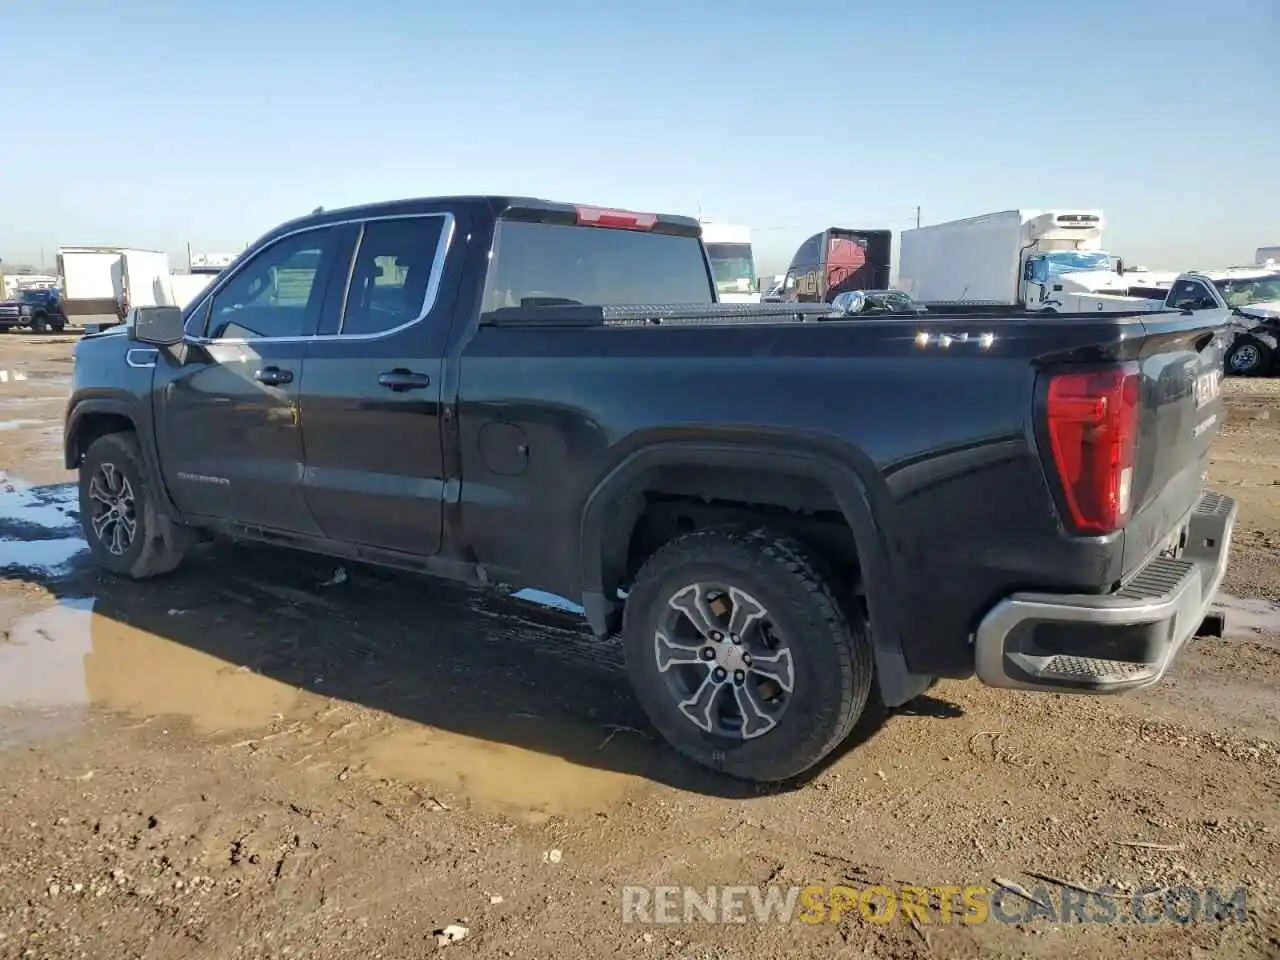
column 1064, row 258
column 1062, row 253
column 733, row 263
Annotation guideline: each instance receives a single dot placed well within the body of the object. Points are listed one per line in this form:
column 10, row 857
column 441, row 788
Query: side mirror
column 159, row 326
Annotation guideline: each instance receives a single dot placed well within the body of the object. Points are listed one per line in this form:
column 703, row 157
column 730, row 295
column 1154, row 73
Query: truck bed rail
column 717, row 314
column 655, row 314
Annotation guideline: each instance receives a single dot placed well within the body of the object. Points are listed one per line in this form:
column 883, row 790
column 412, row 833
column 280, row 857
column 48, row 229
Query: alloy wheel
column 724, row 661
column 114, row 520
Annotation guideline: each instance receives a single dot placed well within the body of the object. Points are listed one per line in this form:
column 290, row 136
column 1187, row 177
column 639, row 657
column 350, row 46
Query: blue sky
column 209, row 121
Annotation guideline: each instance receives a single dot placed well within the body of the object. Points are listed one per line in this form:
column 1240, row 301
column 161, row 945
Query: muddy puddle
column 69, row 661
column 1249, row 618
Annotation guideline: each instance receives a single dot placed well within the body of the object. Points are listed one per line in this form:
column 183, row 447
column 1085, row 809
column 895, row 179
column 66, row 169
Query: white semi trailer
column 1042, row 260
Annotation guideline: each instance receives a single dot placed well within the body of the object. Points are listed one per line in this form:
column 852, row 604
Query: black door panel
column 228, row 405
column 371, row 407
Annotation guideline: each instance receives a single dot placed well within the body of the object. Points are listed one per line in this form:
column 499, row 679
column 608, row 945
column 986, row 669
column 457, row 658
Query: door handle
column 273, row 376
column 401, row 379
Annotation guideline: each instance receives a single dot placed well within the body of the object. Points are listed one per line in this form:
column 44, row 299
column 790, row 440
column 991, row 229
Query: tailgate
column 1181, row 413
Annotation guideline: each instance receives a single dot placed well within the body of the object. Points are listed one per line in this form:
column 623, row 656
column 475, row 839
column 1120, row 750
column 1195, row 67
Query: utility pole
column 917, row 218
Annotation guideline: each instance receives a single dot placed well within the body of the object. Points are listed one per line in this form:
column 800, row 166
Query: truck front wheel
column 39, row 323
column 120, row 513
column 1248, row 357
column 741, row 655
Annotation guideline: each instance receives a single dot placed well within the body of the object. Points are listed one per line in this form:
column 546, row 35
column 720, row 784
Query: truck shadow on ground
column 469, row 662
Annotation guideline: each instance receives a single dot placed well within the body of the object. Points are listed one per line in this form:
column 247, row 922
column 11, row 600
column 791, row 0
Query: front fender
column 85, row 406
column 81, row 408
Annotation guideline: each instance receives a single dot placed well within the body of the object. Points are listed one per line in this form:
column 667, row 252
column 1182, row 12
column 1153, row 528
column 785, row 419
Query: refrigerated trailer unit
column 1048, row 260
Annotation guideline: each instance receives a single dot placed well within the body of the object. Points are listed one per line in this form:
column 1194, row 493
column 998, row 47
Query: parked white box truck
column 100, row 284
column 1044, row 260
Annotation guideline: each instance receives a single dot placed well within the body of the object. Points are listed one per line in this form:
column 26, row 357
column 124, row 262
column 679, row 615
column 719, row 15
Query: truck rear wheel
column 741, row 655
column 39, row 323
column 120, row 513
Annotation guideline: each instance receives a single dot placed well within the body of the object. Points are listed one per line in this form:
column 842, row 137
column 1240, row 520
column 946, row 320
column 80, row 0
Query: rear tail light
column 1093, row 432
column 617, row 219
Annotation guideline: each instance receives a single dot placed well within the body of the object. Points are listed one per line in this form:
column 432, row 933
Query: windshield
column 1072, row 261
column 34, row 296
column 1246, row 291
column 733, row 267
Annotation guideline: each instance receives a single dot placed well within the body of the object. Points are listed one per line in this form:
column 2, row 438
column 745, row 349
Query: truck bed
column 939, row 413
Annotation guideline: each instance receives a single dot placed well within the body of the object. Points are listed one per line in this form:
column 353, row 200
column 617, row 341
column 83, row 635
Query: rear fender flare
column 854, row 489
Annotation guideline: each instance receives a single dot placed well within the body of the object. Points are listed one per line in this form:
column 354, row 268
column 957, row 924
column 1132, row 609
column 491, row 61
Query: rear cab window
column 394, row 274
column 555, row 264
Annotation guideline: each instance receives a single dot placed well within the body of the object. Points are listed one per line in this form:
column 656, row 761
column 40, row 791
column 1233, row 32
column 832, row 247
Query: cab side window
column 391, row 276
column 278, row 293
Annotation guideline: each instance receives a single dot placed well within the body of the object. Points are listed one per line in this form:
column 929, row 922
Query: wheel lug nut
column 746, row 658
column 735, row 638
column 719, row 673
column 739, row 676
column 717, row 636
column 708, row 653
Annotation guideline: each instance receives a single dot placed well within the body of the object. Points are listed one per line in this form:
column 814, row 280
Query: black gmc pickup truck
column 788, row 512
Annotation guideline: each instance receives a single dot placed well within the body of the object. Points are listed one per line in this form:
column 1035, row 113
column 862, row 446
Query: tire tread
column 813, row 603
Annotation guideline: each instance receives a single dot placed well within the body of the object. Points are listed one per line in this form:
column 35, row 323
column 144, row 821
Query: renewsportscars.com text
column 941, row 904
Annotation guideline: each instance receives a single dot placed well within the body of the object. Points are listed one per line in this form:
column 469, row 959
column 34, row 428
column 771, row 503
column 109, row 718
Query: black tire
column 831, row 651
column 39, row 323
column 1247, row 357
column 157, row 544
column 57, row 326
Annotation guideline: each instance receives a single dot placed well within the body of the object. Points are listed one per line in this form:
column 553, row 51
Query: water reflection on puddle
column 66, row 660
column 42, row 664
column 38, row 527
column 68, row 656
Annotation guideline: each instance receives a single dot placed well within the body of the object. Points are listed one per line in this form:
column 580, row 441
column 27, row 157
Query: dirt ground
column 251, row 759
